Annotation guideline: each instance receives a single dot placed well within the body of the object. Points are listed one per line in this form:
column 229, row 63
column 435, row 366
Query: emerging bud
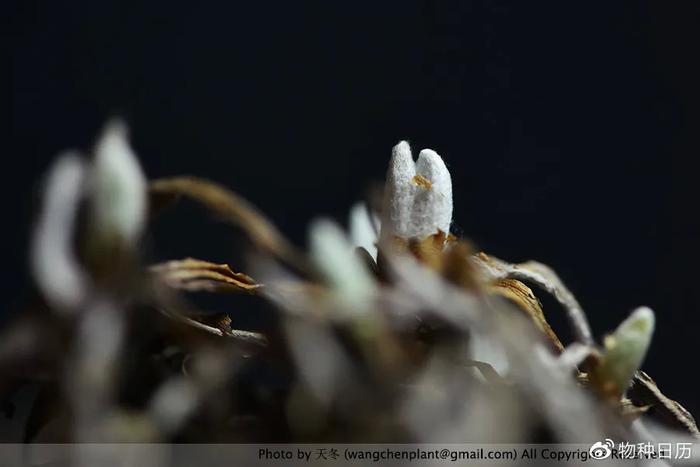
column 418, row 195
column 363, row 227
column 118, row 188
column 55, row 266
column 343, row 270
column 626, row 347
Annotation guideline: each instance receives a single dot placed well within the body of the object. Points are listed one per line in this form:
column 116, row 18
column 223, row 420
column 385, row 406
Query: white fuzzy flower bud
column 418, row 195
column 118, row 187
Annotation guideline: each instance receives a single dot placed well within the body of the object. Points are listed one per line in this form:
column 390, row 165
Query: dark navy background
column 571, row 129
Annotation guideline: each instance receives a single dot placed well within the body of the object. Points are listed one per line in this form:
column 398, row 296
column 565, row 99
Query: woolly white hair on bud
column 418, row 195
column 399, row 190
column 54, row 264
column 118, row 186
column 432, row 208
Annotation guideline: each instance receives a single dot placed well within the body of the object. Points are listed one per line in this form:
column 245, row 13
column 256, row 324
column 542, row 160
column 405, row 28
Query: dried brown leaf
column 542, row 276
column 644, row 391
column 629, row 411
column 456, row 266
column 441, row 252
column 232, row 208
column 522, row 296
column 220, row 328
column 196, row 275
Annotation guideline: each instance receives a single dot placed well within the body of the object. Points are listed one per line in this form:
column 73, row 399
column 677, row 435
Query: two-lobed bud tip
column 418, row 195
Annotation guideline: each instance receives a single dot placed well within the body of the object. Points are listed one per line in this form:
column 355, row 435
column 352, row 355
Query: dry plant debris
column 396, row 332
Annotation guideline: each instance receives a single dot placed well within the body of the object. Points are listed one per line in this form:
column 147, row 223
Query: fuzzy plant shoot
column 393, row 331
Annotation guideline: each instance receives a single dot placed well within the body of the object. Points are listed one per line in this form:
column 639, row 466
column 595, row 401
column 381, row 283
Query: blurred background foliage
column 570, row 130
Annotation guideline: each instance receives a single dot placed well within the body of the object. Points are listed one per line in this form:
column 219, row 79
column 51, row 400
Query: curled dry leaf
column 629, row 411
column 219, row 327
column 543, row 276
column 232, row 208
column 522, row 296
column 164, row 299
column 196, row 275
column 644, row 391
column 645, row 397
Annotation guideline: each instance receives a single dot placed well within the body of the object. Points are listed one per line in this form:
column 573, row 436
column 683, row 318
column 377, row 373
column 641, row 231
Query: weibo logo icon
column 602, row 450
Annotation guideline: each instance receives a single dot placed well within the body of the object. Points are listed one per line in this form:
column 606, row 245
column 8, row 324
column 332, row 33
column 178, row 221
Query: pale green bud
column 626, row 348
column 118, row 188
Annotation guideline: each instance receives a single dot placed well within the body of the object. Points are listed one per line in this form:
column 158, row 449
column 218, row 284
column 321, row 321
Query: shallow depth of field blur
column 260, row 143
